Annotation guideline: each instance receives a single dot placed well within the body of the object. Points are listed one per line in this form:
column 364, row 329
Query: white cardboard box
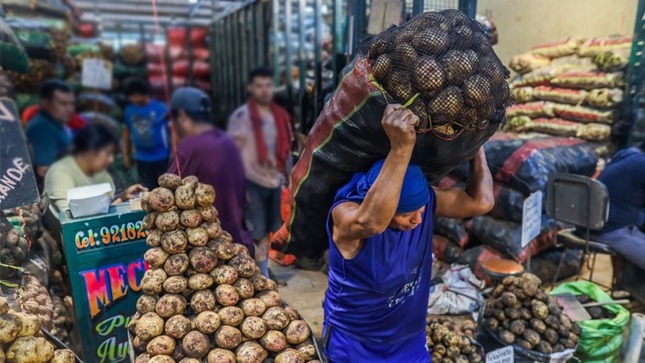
column 90, row 200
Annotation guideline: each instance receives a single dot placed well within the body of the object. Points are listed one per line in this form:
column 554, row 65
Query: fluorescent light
column 192, row 1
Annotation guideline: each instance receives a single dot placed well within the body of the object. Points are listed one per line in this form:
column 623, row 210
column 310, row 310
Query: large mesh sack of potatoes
column 440, row 65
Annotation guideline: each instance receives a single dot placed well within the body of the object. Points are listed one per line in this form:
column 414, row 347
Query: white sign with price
column 97, row 73
column 504, row 355
column 531, row 217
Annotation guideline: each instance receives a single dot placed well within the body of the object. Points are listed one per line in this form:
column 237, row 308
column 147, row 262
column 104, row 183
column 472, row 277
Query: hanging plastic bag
column 601, row 339
column 12, row 54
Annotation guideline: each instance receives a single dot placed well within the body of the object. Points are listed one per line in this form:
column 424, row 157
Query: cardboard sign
column 383, row 14
column 503, row 355
column 17, row 181
column 531, row 217
column 97, row 73
column 105, row 261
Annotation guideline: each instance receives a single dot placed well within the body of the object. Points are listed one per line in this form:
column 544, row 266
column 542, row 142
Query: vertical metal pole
column 337, row 38
column 317, row 56
column 189, row 47
column 241, row 51
column 359, row 15
column 142, row 35
column 275, row 28
column 634, row 79
column 119, row 36
column 168, row 63
column 287, row 26
column 417, row 7
column 212, row 54
column 469, row 7
column 245, row 54
column 302, row 60
column 228, row 67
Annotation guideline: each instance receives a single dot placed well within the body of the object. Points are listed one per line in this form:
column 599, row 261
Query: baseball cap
column 191, row 100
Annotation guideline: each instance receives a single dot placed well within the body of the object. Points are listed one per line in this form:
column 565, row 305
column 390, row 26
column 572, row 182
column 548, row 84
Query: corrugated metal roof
column 127, row 14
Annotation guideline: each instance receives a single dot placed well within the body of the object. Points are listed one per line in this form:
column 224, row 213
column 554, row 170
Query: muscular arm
column 126, row 146
column 354, row 222
column 476, row 199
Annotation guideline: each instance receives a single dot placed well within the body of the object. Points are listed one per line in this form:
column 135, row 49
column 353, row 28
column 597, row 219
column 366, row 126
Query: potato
column 525, row 314
column 276, row 318
column 226, row 295
column 224, row 275
column 190, row 218
column 205, row 195
column 190, row 360
column 178, row 326
column 260, row 282
column 155, row 257
column 139, row 345
column 174, row 241
column 244, row 265
column 509, row 299
column 176, row 264
column 239, row 249
column 221, row 356
column 253, row 327
column 149, row 220
column 274, row 341
column 197, row 237
column 152, row 281
column 161, row 345
column 544, row 347
column 244, row 288
column 290, row 356
column 538, row 325
column 507, row 337
column 532, row 337
column 161, row 359
column 223, row 249
column 297, row 332
column 202, row 300
column 517, row 327
column 146, row 304
column 512, row 313
column 161, row 199
column 250, row 352
column 214, row 229
column 63, row 356
column 207, row 322
column 185, row 197
column 175, row 284
column 208, row 213
column 154, row 238
column 196, row 344
column 293, row 314
column 167, row 221
column 30, row 324
column 231, row 315
column 253, row 307
column 539, row 309
column 143, row 358
column 270, row 298
column 190, row 181
column 4, row 305
column 203, row 259
column 178, row 353
column 145, row 202
column 200, row 281
column 170, row 304
column 169, row 181
column 29, row 350
column 307, row 350
column 228, row 337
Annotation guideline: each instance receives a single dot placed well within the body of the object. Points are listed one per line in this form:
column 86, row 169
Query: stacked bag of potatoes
column 204, row 298
column 22, row 341
column 522, row 314
column 570, row 88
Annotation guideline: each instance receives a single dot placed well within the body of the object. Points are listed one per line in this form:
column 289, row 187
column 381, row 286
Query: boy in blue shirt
column 146, row 127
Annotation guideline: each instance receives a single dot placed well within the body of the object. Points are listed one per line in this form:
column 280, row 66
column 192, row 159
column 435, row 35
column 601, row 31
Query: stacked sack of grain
column 570, row 88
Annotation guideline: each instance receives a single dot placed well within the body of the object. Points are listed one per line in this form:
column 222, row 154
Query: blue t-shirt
column 148, row 126
column 49, row 139
column 625, row 181
column 380, row 296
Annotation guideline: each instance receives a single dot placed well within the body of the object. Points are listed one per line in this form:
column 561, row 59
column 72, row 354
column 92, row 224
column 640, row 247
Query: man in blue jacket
column 380, row 250
column 625, row 181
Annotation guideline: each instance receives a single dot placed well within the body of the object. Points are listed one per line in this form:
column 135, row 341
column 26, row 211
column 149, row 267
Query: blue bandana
column 415, row 192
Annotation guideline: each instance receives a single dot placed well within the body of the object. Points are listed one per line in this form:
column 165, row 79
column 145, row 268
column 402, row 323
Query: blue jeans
column 627, row 241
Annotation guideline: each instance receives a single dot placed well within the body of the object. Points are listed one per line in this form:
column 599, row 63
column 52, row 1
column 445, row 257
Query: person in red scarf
column 263, row 132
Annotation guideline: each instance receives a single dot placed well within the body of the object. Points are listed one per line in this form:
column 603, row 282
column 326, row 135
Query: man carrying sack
column 380, row 250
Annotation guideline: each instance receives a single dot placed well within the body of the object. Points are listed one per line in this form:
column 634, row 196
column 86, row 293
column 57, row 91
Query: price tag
column 531, row 217
column 504, row 355
column 97, row 73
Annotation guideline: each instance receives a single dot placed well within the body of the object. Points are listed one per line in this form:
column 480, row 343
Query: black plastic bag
column 453, row 229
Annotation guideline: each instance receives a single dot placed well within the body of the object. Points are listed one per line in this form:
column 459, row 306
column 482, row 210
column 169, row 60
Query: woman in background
column 93, row 150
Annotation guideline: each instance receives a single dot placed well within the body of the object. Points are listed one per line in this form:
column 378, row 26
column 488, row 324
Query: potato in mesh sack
column 440, row 65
